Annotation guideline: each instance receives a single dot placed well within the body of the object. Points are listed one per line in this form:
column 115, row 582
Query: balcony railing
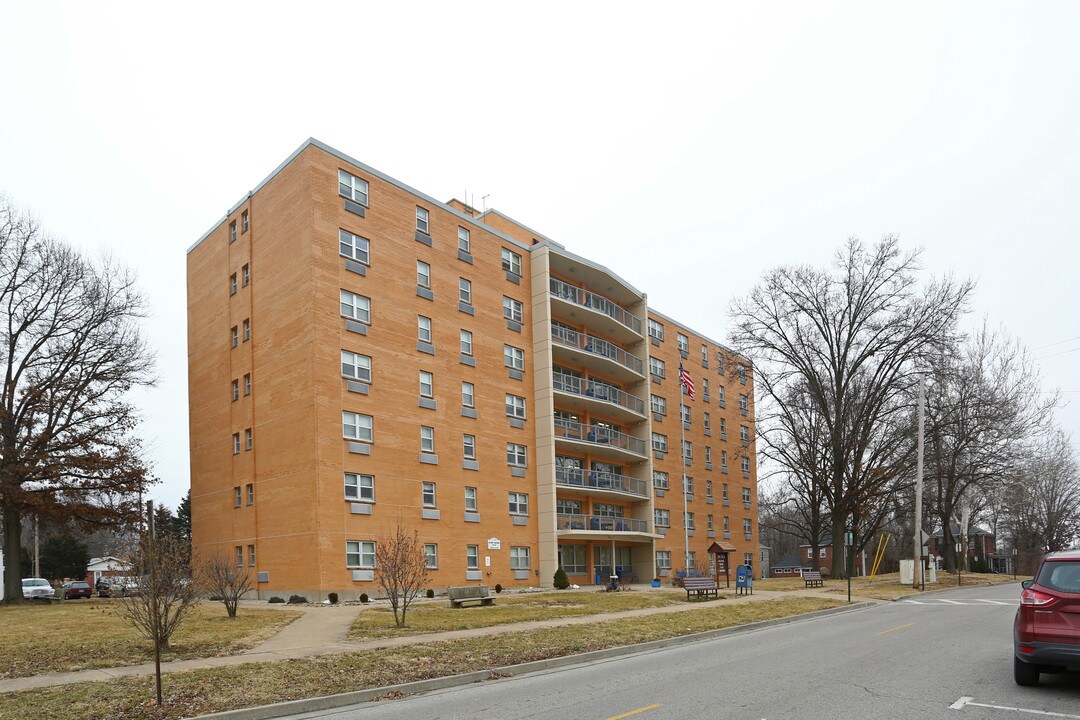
column 597, row 346
column 571, row 430
column 601, row 522
column 578, row 386
column 584, row 298
column 579, row 477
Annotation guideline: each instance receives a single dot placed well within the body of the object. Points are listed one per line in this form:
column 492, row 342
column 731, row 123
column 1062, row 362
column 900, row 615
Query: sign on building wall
column 494, row 544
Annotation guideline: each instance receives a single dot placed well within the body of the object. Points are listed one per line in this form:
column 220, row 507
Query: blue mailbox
column 744, row 580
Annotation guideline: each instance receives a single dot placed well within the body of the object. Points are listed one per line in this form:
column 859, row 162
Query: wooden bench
column 812, row 578
column 702, row 586
column 470, row 593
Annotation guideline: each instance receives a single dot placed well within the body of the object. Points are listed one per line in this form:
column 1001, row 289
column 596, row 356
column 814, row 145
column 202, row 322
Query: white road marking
column 964, row 701
column 979, row 602
column 952, row 602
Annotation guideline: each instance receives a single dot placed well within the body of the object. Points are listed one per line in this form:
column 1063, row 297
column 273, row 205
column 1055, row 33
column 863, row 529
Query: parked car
column 124, row 586
column 76, row 589
column 1046, row 631
column 104, row 589
column 37, row 589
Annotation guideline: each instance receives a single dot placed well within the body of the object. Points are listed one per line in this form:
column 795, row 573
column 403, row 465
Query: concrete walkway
column 322, row 630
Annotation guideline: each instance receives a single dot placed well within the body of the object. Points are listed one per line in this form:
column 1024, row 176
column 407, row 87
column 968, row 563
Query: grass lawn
column 86, row 634
column 437, row 616
column 226, row 688
column 887, row 586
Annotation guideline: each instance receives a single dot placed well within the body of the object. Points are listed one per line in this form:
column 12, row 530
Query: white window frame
column 746, row 464
column 468, row 446
column 513, row 309
column 515, row 406
column 516, row 455
column 423, row 274
column 468, row 394
column 248, row 439
column 352, row 187
column 354, row 247
column 464, row 240
column 236, row 443
column 466, row 342
column 520, row 557
column 660, row 479
column 423, row 328
column 465, row 290
column 427, row 384
column 658, row 404
column 427, row 494
column 511, row 262
column 356, row 307
column 423, row 223
column 427, row 439
column 360, row 554
column 470, row 499
column 359, row 487
column 355, row 366
column 657, row 367
column 356, row 426
column 431, row 556
column 661, row 517
column 518, row 503
column 472, row 557
column 659, row 442
column 656, row 330
column 683, row 343
column 514, row 357
column 663, row 559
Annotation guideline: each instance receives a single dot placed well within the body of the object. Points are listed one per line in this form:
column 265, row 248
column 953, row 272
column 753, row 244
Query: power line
column 1063, row 352
column 1059, row 342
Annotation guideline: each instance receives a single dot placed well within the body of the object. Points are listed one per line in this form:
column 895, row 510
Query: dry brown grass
column 225, row 688
column 86, row 634
column 884, row 587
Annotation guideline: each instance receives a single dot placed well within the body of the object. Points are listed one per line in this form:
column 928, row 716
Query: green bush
column 561, row 581
column 332, row 597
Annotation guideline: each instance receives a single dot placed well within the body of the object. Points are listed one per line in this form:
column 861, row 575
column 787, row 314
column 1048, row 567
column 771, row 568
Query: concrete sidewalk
column 322, row 630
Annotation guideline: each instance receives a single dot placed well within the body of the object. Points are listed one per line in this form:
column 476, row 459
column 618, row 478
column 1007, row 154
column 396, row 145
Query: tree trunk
column 12, row 556
column 838, row 529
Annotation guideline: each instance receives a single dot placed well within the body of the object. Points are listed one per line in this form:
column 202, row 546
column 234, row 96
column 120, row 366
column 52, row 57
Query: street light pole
column 959, row 578
column 918, row 489
column 848, row 542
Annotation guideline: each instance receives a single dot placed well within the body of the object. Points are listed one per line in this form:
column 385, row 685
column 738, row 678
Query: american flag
column 687, row 381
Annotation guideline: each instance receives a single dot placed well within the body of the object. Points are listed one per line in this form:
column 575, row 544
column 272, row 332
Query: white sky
column 657, row 140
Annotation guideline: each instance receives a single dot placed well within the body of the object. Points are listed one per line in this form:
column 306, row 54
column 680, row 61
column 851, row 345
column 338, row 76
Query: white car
column 37, row 589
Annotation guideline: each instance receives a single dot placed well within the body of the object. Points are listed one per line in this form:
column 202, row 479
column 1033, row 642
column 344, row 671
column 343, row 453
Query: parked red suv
column 1046, row 632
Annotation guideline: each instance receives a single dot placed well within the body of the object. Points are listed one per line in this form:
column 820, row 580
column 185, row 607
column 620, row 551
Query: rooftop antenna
column 484, row 200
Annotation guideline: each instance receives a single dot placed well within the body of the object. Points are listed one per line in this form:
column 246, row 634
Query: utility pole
column 918, row 489
column 37, row 549
column 151, row 557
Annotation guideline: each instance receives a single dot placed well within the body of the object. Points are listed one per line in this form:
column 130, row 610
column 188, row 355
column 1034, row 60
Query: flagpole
column 682, row 467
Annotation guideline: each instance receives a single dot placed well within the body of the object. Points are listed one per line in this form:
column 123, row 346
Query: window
column 234, row 336
column 427, row 439
column 355, row 306
column 247, row 384
column 422, row 220
column 244, row 224
column 245, row 273
column 232, row 284
column 472, row 557
column 232, row 231
column 465, row 291
column 683, row 342
column 573, row 559
column 661, row 518
column 659, row 442
column 251, row 555
column 705, row 355
column 688, row 451
column 708, row 455
column 359, row 554
column 354, row 365
column 356, row 427
column 519, row 504
column 720, row 362
column 519, row 558
column 466, row 342
column 744, row 405
column 468, row 444
column 663, row 559
column 352, row 187
column 723, row 460
column 705, row 421
column 239, row 553
column 708, row 489
column 250, row 491
column 720, row 398
column 431, row 556
column 470, row 499
column 236, row 496
column 742, row 374
column 423, row 274
column 247, row 330
column 236, row 444
column 423, row 328
column 656, row 330
column 684, row 413
column 744, row 435
column 656, row 367
column 427, row 384
column 746, row 466
column 247, row 439
column 427, row 494
column 360, row 487
column 658, row 404
column 705, row 389
column 515, row 454
column 511, row 262
column 660, row 480
column 354, row 247
column 689, row 521
column 821, row 552
column 727, row 524
column 515, row 406
column 691, row 559
column 468, row 394
column 235, row 390
column 464, row 244
column 512, row 309
column 724, row 491
column 513, row 357
column 746, row 494
column 723, row 428
column 809, row 553
column 747, row 527
column 688, row 485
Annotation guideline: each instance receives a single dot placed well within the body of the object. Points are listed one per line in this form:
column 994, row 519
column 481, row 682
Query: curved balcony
column 596, row 480
column 600, row 441
column 598, row 398
column 594, row 311
column 597, row 354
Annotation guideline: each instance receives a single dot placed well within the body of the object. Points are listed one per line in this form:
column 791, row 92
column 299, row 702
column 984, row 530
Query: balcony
column 597, row 354
column 594, row 311
column 598, row 398
column 600, row 523
column 600, row 441
column 590, row 480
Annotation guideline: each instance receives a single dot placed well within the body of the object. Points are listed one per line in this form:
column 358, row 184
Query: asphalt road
column 897, row 660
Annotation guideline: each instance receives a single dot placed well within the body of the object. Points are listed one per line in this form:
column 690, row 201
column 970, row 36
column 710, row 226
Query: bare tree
column 400, row 569
column 72, row 351
column 163, row 594
column 225, row 581
column 848, row 343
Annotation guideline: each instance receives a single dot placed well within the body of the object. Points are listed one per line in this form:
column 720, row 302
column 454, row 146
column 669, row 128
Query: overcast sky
column 659, row 140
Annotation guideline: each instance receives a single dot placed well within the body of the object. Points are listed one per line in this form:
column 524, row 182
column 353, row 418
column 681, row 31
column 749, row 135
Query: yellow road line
column 635, row 712
column 895, row 628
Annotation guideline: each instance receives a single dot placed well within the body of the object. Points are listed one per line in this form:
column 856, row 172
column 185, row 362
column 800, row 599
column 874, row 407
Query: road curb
column 941, row 591
column 329, row 702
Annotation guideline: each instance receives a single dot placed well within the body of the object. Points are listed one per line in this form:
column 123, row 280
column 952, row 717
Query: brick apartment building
column 361, row 354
